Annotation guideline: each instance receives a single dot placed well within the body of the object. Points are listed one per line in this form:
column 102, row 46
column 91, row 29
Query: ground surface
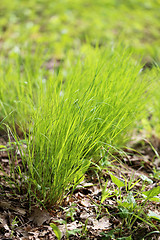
column 82, row 215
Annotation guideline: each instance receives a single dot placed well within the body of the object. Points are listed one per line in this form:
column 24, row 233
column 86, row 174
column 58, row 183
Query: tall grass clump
column 93, row 103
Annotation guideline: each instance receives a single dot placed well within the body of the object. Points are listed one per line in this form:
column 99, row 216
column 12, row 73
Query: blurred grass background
column 66, row 24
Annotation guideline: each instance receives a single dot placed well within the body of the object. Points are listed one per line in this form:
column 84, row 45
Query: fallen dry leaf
column 39, row 216
column 102, row 224
column 84, row 215
column 85, row 203
column 73, row 225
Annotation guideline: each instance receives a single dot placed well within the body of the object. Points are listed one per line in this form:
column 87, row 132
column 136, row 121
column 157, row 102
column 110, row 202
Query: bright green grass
column 72, row 114
column 22, row 80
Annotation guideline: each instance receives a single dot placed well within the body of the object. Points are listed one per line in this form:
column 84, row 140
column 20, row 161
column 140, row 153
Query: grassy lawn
column 79, row 112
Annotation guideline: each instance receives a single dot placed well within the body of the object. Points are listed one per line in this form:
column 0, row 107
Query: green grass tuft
column 92, row 104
